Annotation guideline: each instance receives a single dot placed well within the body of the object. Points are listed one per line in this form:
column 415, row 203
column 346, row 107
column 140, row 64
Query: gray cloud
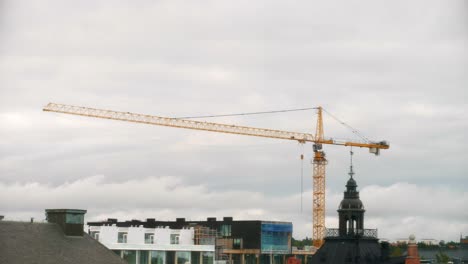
column 168, row 197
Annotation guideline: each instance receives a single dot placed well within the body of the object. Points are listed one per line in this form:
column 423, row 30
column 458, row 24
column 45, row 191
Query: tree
column 301, row 243
column 442, row 257
column 396, row 252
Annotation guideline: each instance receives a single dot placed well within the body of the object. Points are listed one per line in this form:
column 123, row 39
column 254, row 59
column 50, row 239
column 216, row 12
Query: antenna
column 351, row 172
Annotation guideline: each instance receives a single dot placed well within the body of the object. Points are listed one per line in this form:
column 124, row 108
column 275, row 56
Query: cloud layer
column 434, row 210
column 393, row 70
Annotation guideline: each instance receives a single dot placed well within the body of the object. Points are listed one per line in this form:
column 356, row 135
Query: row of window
column 197, row 257
column 149, row 237
column 165, row 257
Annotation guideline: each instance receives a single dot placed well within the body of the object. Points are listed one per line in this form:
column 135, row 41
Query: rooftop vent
column 211, row 219
column 227, row 219
column 1, row 217
column 180, row 220
column 70, row 220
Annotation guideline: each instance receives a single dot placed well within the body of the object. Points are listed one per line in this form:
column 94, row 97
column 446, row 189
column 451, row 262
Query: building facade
column 237, row 242
column 137, row 244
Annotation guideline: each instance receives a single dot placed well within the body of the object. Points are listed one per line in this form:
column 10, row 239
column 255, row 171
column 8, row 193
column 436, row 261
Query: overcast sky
column 395, row 70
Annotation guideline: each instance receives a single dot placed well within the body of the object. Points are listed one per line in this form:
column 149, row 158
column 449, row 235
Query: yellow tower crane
column 319, row 160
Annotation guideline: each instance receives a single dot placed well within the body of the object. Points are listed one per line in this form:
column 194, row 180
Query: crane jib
column 206, row 126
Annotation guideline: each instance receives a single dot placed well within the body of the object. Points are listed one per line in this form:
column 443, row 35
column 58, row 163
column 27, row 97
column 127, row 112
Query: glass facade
column 236, row 259
column 208, row 258
column 144, row 257
column 276, row 238
column 129, row 256
column 272, row 259
column 278, row 259
column 158, row 257
column 169, row 257
column 250, row 259
column 195, row 257
column 183, row 257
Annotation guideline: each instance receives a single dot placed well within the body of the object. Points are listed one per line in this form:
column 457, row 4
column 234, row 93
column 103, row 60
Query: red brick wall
column 413, row 256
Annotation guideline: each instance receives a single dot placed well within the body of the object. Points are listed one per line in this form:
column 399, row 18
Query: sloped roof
column 345, row 251
column 31, row 243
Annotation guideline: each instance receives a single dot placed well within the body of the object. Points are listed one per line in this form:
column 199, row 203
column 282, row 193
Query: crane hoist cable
column 302, row 172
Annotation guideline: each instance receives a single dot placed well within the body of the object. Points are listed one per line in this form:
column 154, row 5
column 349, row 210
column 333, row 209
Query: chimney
column 413, row 256
column 70, row 220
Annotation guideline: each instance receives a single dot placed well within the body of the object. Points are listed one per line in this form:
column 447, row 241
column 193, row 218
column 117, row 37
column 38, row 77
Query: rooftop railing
column 335, row 232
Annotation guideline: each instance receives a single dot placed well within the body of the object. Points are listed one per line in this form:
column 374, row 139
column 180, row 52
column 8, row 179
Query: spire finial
column 351, row 172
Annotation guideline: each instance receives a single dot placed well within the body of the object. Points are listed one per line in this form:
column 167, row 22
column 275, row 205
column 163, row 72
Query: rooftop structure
column 56, row 242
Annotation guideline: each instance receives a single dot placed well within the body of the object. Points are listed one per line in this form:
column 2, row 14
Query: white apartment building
column 161, row 245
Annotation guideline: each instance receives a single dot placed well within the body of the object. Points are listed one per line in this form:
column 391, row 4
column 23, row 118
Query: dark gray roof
column 45, row 243
column 459, row 253
column 345, row 251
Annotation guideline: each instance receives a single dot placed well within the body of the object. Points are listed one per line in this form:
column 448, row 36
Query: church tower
column 351, row 242
column 351, row 210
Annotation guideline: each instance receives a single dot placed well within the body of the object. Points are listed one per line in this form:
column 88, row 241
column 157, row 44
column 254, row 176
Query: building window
column 237, row 243
column 94, row 234
column 143, row 257
column 225, row 230
column 149, row 238
column 195, row 257
column 158, row 257
column 129, row 256
column 74, row 218
column 183, row 257
column 175, row 239
column 251, row 259
column 122, row 237
column 208, row 258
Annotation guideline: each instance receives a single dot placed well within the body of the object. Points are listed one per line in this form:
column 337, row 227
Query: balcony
column 365, row 233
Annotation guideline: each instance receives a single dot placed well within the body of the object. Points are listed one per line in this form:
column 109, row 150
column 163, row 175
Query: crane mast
column 318, row 177
column 319, row 161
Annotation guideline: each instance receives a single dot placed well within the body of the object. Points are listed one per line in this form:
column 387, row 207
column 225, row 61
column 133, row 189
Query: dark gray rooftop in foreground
column 41, row 243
